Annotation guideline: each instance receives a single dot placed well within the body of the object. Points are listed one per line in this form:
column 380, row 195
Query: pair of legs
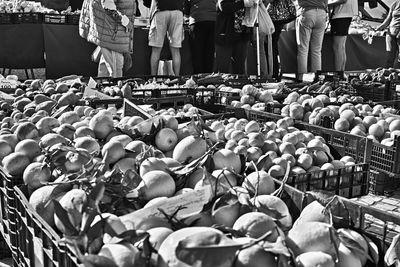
column 111, row 63
column 155, row 59
column 266, row 62
column 392, row 50
column 310, row 29
column 231, row 58
column 202, row 45
column 168, row 22
column 339, row 30
column 276, row 74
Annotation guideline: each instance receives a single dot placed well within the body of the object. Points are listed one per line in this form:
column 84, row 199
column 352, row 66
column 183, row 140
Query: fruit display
column 251, row 97
column 129, row 191
column 84, row 173
column 30, row 7
column 358, row 119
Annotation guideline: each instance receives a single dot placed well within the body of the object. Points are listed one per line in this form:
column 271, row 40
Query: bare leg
column 176, row 60
column 339, row 51
column 155, row 59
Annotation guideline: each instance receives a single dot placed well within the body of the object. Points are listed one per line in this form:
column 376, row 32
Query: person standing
column 392, row 22
column 166, row 17
column 281, row 13
column 341, row 17
column 232, row 37
column 310, row 29
column 109, row 25
column 202, row 15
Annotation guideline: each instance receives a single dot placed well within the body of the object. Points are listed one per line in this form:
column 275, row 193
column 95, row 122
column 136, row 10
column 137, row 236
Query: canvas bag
column 265, row 24
column 282, row 11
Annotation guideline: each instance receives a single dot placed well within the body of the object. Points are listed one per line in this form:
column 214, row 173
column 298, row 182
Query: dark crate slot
column 19, row 18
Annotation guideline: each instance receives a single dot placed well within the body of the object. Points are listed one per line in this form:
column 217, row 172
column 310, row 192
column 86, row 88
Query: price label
column 92, row 83
column 130, row 109
column 94, row 93
column 192, row 203
column 8, row 84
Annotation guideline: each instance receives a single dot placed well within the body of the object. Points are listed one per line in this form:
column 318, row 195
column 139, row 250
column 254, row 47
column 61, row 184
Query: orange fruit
column 36, row 174
column 5, row 149
column 29, row 147
column 15, row 163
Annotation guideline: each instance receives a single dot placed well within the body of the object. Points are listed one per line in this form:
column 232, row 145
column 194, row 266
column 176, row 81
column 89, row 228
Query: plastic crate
column 38, row 243
column 372, row 91
column 73, row 19
column 241, row 80
column 5, row 251
column 226, row 98
column 19, row 18
column 6, row 18
column 206, row 116
column 261, row 116
column 382, row 184
column 8, row 213
column 346, row 182
column 394, row 93
column 330, row 76
column 55, row 18
column 169, row 102
column 205, row 96
column 95, row 103
column 344, row 143
column 386, row 159
column 377, row 224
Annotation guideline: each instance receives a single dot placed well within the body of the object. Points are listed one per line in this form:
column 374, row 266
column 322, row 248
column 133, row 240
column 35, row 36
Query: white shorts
column 166, row 22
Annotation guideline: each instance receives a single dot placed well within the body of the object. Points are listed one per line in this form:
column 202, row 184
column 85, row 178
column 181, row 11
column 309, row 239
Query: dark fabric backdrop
column 21, row 46
column 61, row 50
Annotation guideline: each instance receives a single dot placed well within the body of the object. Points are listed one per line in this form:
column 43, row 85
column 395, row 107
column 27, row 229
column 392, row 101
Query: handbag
column 282, row 11
column 266, row 26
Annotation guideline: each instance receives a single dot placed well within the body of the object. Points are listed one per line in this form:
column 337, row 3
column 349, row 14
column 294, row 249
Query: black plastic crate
column 372, row 91
column 386, row 159
column 377, row 224
column 6, row 18
column 226, row 98
column 32, row 18
column 73, row 19
column 5, row 251
column 38, row 243
column 348, row 182
column 8, row 200
column 394, row 93
column 329, row 76
column 261, row 116
column 344, row 143
column 381, row 183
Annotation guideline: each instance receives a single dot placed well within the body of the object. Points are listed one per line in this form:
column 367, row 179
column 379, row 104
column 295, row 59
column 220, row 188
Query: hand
column 124, row 21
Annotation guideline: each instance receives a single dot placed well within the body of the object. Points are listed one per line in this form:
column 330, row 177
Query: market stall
column 60, row 49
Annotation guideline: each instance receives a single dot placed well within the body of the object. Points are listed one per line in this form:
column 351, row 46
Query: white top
column 346, row 10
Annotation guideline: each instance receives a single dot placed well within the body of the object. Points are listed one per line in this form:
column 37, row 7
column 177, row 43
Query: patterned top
column 239, row 15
